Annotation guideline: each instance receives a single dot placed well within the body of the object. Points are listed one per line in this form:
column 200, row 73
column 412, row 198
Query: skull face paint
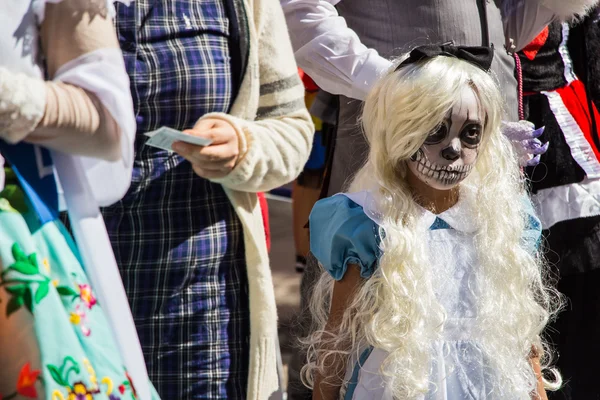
column 451, row 150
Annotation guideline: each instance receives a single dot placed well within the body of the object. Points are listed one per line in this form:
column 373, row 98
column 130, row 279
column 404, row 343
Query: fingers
column 536, row 147
column 522, row 130
column 533, row 162
column 217, row 159
column 209, row 162
column 213, row 154
column 538, row 132
column 532, row 151
column 205, row 124
column 217, row 131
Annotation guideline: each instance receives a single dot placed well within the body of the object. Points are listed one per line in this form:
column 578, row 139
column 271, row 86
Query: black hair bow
column 477, row 55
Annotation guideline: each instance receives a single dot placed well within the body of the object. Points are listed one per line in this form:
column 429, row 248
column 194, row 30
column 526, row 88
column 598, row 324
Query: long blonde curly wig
column 396, row 309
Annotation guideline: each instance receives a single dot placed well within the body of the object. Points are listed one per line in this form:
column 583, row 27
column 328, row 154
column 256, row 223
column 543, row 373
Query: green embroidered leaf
column 18, row 253
column 74, row 367
column 18, row 290
column 5, row 206
column 13, row 305
column 28, row 300
column 33, row 259
column 55, row 373
column 42, row 291
column 24, row 267
column 66, row 291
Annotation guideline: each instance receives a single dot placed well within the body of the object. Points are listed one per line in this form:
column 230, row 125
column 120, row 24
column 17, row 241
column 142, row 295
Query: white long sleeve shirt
column 333, row 55
column 329, row 51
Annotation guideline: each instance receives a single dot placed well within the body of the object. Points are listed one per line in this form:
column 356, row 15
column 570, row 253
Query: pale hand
column 220, row 157
column 524, row 138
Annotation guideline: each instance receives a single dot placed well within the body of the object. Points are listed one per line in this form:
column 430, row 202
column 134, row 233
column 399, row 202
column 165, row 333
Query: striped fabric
column 176, row 237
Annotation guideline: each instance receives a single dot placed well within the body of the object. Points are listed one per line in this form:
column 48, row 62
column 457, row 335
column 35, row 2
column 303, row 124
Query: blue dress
column 344, row 231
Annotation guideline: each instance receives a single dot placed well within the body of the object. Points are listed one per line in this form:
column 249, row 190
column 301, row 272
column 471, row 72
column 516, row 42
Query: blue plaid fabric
column 176, row 237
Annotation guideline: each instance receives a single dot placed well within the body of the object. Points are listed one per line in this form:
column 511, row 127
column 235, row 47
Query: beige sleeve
column 72, row 28
column 278, row 143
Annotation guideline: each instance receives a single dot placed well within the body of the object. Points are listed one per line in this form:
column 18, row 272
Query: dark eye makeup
column 438, row 135
column 471, row 135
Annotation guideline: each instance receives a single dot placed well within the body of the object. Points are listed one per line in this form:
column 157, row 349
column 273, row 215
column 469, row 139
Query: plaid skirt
column 176, row 237
column 179, row 246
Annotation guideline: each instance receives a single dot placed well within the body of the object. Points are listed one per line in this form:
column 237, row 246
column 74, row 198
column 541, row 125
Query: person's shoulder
column 341, row 233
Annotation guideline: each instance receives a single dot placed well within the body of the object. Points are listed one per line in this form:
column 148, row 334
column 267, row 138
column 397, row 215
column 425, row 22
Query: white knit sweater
column 275, row 132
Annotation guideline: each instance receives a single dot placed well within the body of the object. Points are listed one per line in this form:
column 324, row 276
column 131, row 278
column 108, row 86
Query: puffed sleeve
column 341, row 234
column 532, row 235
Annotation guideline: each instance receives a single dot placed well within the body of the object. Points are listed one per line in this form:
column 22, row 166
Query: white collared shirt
column 334, row 56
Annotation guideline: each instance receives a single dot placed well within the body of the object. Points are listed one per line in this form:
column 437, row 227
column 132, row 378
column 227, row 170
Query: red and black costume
column 566, row 188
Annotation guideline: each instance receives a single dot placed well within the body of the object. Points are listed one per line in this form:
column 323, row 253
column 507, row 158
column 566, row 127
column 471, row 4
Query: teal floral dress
column 61, row 337
column 55, row 342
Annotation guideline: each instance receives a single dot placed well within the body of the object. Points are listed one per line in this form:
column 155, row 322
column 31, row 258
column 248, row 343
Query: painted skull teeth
column 445, row 175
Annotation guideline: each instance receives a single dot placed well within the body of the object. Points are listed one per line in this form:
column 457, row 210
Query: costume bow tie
column 439, row 224
column 477, row 55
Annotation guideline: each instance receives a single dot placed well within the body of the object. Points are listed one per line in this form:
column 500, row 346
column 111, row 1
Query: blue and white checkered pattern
column 176, row 237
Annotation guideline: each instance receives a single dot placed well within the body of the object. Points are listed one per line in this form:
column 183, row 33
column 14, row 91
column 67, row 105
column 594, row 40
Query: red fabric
column 575, row 100
column 536, row 44
column 309, row 84
column 264, row 209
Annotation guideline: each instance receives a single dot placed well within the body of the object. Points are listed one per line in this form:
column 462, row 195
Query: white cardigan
column 274, row 149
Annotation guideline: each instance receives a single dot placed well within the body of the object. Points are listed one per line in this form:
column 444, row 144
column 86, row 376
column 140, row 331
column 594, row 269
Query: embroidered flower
column 46, row 265
column 75, row 318
column 26, row 382
column 80, row 392
column 85, row 293
column 78, row 317
column 111, row 397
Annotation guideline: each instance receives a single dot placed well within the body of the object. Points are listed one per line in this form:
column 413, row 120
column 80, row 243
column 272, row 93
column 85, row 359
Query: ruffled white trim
column 564, row 53
column 39, row 7
column 581, row 150
column 567, row 202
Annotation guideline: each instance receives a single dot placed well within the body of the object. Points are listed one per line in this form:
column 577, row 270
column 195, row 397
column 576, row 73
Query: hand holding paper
column 164, row 137
column 217, row 159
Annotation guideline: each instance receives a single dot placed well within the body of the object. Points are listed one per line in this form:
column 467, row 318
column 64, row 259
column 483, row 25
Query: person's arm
column 524, row 20
column 329, row 51
column 75, row 120
column 328, row 387
column 257, row 156
column 534, row 360
column 70, row 113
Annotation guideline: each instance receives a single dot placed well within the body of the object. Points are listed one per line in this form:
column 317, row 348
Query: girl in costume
column 66, row 140
column 432, row 285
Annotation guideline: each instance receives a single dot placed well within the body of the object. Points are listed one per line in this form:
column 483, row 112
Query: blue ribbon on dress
column 35, row 171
